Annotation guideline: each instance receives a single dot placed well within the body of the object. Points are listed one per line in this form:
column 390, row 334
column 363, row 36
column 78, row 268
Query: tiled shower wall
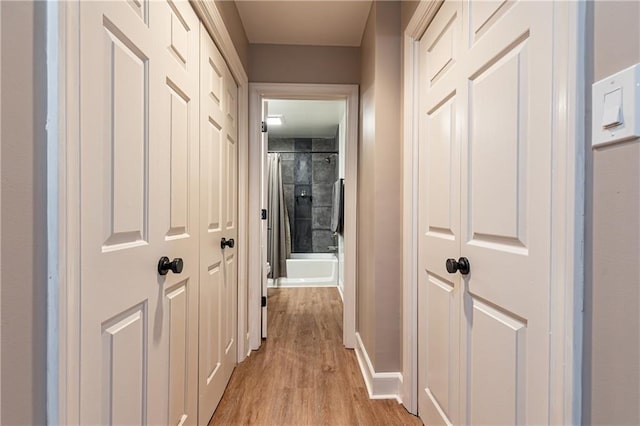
column 305, row 170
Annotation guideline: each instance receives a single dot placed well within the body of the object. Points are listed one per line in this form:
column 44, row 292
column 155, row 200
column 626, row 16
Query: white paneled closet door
column 139, row 101
column 485, row 195
column 218, row 229
column 439, row 293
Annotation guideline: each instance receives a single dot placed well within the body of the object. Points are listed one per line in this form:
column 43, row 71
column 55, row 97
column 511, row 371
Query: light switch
column 612, row 116
column 616, row 107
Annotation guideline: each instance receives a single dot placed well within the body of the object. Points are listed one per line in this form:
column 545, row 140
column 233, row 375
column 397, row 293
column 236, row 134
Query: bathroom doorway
column 303, row 194
column 307, row 190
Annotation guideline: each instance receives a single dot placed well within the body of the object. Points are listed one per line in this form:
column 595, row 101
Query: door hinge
column 264, row 127
column 263, row 215
column 264, row 301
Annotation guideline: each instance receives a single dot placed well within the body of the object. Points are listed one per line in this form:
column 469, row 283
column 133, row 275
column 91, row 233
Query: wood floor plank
column 302, row 374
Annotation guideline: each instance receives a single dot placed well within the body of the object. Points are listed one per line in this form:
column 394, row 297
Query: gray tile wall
column 309, row 170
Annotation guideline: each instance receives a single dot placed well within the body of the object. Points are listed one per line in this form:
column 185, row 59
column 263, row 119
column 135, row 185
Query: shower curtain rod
column 303, row 152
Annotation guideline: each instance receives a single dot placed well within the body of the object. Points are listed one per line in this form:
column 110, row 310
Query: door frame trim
column 348, row 92
column 568, row 194
column 63, row 199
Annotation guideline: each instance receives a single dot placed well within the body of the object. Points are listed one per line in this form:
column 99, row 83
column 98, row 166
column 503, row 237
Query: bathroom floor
column 302, row 374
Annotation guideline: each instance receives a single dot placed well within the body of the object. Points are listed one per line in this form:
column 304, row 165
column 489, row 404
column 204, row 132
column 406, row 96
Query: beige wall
column 272, row 63
column 365, row 288
column 379, row 187
column 612, row 289
column 232, row 21
column 407, row 7
column 23, row 173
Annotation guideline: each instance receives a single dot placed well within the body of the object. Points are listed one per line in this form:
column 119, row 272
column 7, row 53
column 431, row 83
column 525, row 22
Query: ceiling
column 306, row 119
column 304, row 22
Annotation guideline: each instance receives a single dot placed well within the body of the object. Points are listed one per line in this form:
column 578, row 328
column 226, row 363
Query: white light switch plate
column 616, row 99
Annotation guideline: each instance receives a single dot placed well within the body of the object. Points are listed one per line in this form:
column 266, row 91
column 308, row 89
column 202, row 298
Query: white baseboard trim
column 302, row 286
column 379, row 385
column 285, row 282
column 341, row 291
column 248, row 339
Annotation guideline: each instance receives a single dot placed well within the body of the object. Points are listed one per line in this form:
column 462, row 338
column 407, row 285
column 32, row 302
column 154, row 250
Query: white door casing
column 259, row 92
column 138, row 133
column 487, row 75
column 264, row 239
column 0, row 223
column 218, row 195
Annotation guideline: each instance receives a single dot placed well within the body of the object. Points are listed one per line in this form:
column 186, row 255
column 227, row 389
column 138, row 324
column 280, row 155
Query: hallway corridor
column 302, row 374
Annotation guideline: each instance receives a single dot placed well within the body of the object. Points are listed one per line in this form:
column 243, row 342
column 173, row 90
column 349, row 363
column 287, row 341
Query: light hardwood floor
column 302, row 374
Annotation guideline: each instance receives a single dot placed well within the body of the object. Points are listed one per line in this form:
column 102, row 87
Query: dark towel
column 337, row 212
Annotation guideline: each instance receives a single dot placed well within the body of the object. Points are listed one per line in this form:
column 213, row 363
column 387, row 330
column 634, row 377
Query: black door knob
column 227, row 243
column 165, row 265
column 461, row 265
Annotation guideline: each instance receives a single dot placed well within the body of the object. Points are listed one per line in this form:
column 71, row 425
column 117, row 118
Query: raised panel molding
column 178, row 308
column 497, row 370
column 441, row 131
column 210, row 320
column 228, row 338
column 441, row 326
column 231, row 161
column 140, row 8
column 498, row 138
column 180, row 142
column 215, row 150
column 126, row 144
column 124, row 363
column 215, row 83
column 231, row 108
column 485, row 13
column 179, row 35
column 442, row 51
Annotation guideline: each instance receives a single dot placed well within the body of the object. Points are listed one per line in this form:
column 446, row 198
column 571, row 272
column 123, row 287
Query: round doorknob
column 461, row 265
column 165, row 265
column 227, row 243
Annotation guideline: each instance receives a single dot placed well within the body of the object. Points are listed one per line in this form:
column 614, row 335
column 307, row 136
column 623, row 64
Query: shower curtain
column 278, row 230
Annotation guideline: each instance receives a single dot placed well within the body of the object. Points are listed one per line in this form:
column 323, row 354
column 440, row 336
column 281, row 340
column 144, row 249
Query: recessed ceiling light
column 275, row 120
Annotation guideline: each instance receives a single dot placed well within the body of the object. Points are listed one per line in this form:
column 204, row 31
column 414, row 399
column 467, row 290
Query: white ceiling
column 306, row 22
column 306, row 119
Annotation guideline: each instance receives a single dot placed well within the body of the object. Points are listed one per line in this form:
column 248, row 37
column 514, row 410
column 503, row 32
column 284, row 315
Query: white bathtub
column 309, row 270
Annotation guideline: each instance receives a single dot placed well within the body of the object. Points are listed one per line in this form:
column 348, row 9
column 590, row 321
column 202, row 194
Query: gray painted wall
column 232, row 21
column 379, row 283
column 407, row 8
column 271, row 63
column 23, row 179
column 611, row 374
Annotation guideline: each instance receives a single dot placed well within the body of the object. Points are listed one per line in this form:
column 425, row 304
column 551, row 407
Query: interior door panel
column 484, row 195
column 142, row 87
